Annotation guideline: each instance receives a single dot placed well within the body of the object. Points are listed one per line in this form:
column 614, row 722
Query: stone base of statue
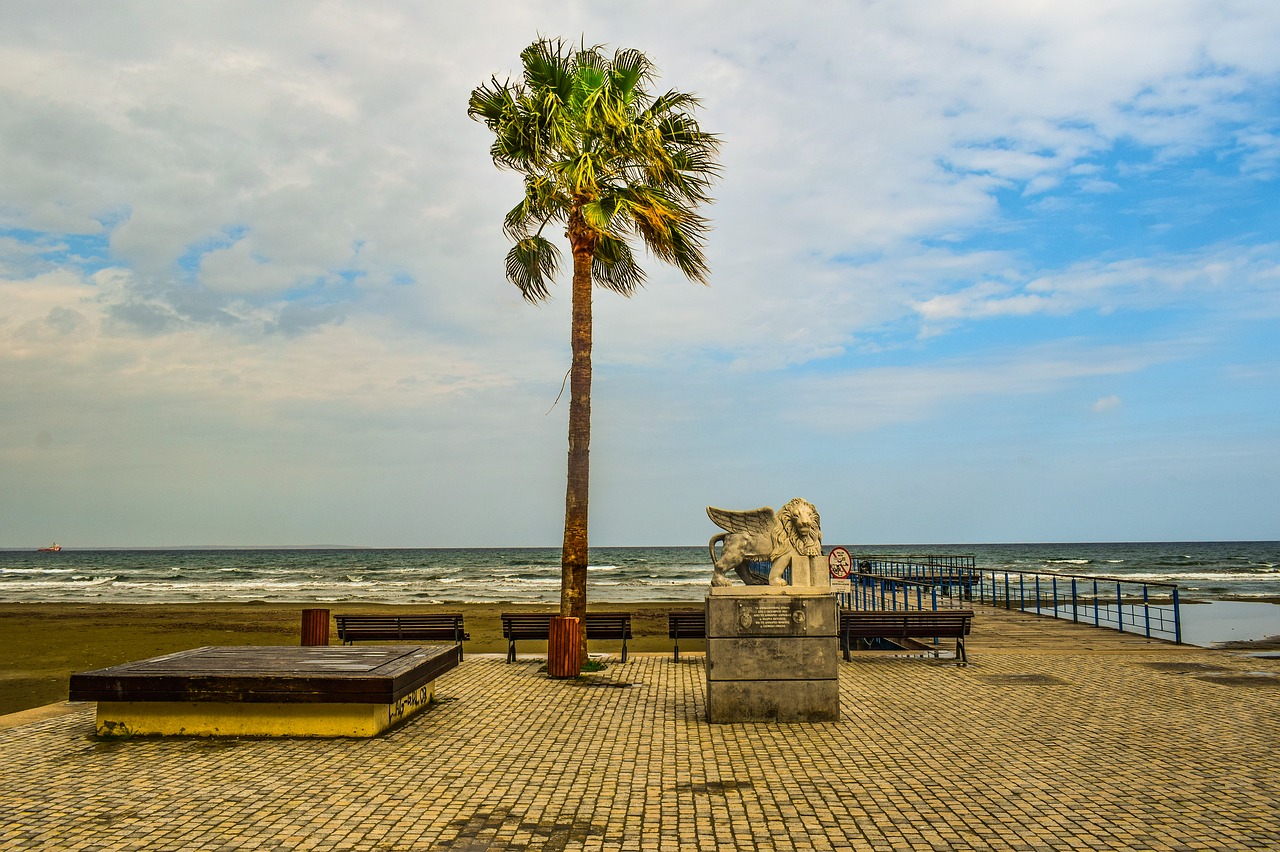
column 772, row 654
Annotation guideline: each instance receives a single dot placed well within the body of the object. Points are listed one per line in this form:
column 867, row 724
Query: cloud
column 275, row 224
column 860, row 400
column 1197, row 277
column 1106, row 403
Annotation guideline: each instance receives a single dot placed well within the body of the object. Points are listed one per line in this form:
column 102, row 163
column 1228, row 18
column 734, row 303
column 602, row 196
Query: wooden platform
column 266, row 690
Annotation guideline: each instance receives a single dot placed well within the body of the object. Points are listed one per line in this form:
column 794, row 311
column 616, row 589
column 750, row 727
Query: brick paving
column 1121, row 746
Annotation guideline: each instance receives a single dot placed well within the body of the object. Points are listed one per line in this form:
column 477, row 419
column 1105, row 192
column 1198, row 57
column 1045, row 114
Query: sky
column 987, row 271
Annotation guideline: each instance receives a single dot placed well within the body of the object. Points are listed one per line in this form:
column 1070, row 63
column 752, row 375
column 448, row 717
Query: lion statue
column 791, row 538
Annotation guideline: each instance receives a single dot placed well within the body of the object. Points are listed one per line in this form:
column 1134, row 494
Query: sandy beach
column 46, row 643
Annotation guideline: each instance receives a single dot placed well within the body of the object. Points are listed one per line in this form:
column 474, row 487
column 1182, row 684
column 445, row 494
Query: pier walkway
column 1056, row 736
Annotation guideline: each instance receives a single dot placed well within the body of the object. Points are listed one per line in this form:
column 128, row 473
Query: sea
column 1243, row 575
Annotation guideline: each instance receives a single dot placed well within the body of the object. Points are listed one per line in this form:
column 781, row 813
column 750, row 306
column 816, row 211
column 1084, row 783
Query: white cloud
column 1107, row 403
column 1177, row 279
column 303, row 225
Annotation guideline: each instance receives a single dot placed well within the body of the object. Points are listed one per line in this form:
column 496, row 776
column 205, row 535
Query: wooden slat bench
column 536, row 626
column 906, row 624
column 685, row 624
column 385, row 628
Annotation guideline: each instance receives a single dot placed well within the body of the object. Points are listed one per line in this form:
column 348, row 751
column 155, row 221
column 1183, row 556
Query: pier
column 1056, row 736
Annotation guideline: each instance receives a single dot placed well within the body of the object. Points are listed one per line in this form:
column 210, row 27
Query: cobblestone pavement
column 1162, row 748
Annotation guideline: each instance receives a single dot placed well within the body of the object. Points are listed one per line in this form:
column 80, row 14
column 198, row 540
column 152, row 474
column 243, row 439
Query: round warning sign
column 840, row 563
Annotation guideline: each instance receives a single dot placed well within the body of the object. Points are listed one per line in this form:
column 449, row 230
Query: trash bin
column 564, row 644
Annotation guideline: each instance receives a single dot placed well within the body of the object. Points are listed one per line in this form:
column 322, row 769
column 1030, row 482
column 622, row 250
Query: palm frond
column 547, row 68
column 631, row 70
column 614, row 267
column 669, row 102
column 672, row 232
column 541, row 204
column 491, row 102
column 531, row 263
column 599, row 214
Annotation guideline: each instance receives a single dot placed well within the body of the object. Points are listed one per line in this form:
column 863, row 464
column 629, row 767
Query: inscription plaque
column 770, row 618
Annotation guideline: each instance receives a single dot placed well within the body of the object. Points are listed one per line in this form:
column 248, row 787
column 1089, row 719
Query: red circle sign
column 840, row 563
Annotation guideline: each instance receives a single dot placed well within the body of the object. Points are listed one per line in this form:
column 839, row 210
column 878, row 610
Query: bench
column 536, row 626
column 376, row 628
column 906, row 624
column 686, row 624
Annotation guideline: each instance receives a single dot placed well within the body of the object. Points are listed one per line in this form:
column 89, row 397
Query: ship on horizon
column 53, row 548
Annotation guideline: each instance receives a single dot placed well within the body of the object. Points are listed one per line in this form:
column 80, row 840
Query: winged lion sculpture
column 791, row 538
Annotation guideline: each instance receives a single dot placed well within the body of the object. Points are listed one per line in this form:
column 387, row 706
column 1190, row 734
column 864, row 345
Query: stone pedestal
column 772, row 654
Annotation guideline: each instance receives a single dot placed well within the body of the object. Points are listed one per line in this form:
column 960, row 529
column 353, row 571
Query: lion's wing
column 750, row 522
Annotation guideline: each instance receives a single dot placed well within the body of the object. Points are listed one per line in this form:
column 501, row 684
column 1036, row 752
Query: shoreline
column 47, row 642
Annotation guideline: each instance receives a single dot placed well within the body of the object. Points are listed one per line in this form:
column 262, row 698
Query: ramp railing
column 1132, row 606
column 937, row 581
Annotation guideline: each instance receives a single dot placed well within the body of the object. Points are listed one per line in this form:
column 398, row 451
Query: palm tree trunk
column 573, row 556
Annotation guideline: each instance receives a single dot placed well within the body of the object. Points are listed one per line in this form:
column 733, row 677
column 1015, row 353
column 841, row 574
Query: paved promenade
column 1073, row 738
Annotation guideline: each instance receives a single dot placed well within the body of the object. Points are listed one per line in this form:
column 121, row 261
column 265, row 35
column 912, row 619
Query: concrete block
column 763, row 701
column 773, row 658
column 771, row 615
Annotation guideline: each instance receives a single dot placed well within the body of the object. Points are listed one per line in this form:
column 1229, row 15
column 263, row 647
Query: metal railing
column 876, row 591
column 937, row 581
column 1133, row 606
column 951, row 573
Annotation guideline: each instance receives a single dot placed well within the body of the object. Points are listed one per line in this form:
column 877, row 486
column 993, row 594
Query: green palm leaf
column 531, row 263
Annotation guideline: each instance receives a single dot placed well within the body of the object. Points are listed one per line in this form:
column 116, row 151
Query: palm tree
column 608, row 161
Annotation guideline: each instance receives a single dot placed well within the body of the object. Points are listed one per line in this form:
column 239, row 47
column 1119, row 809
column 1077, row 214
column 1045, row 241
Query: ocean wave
column 1197, row 576
column 75, row 583
column 527, row 575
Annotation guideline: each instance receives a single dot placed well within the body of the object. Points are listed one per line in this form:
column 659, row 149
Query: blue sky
column 981, row 271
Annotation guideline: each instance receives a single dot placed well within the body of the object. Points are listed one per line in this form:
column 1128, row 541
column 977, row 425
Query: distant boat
column 53, row 548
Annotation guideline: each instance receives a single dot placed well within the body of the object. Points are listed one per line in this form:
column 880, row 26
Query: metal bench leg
column 624, row 649
column 961, row 657
column 675, row 650
column 511, row 650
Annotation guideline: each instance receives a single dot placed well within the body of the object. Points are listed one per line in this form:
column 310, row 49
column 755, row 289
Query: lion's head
column 799, row 527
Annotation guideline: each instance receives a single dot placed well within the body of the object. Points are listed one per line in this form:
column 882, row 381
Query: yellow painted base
column 222, row 719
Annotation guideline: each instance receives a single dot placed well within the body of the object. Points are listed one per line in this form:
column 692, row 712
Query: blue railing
column 875, row 591
column 953, row 574
column 1133, row 606
column 937, row 581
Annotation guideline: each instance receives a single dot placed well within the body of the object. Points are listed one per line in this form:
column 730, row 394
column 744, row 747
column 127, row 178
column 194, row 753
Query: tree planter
column 564, row 647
